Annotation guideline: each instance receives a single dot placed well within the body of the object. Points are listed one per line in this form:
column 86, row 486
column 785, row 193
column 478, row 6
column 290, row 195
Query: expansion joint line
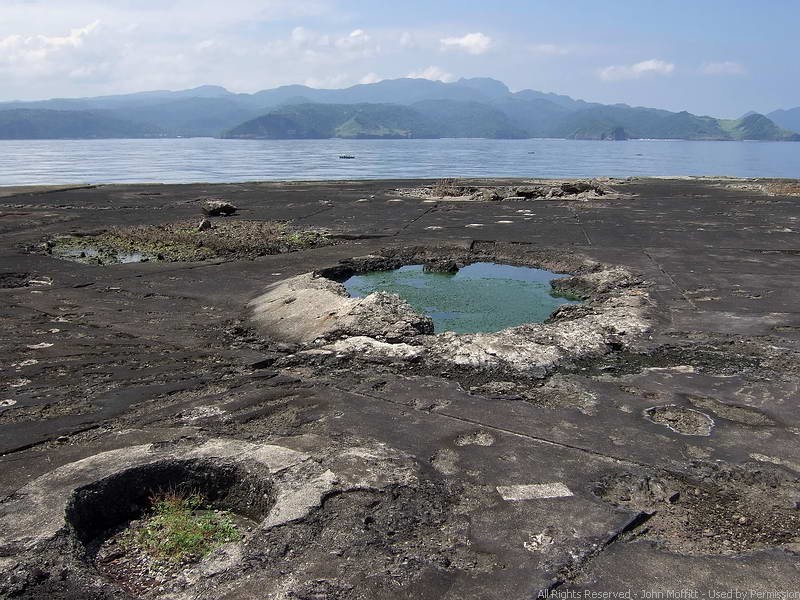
column 325, row 208
column 417, row 218
column 663, row 470
column 672, row 279
column 11, row 455
column 580, row 564
column 527, row 436
column 583, row 229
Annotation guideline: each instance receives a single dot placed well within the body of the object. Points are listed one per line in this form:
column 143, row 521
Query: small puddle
column 481, row 297
column 92, row 255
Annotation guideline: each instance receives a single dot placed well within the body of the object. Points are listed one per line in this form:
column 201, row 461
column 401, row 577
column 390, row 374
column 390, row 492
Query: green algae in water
column 481, row 297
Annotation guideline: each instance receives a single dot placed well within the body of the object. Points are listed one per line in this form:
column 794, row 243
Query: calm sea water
column 479, row 297
column 212, row 160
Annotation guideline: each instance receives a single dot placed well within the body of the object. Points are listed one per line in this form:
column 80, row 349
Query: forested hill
column 397, row 108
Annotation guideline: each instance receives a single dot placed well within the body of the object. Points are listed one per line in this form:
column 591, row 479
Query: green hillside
column 352, row 121
column 375, row 121
column 756, row 127
column 426, row 119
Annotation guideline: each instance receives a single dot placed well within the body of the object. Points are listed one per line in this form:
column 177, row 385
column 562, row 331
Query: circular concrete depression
column 314, row 315
column 96, row 510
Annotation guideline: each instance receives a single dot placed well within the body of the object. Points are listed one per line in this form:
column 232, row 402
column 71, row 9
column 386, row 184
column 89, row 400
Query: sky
column 716, row 57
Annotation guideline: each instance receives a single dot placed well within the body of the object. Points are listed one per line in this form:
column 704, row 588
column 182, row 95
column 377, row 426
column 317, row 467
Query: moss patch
column 185, row 242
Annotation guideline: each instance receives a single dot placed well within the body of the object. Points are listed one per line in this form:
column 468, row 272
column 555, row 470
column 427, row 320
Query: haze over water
column 214, row 160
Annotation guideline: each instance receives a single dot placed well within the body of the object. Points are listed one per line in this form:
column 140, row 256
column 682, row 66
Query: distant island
column 389, row 109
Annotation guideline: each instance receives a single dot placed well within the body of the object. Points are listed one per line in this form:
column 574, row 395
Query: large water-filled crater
column 480, row 297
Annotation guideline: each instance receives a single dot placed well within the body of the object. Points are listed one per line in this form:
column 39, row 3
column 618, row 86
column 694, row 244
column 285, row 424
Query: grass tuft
column 180, row 527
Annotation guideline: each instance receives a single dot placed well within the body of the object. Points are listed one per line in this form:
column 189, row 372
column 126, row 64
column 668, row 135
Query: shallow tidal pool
column 481, row 297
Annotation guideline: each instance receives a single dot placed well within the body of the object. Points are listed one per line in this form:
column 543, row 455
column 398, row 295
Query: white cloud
column 331, row 81
column 722, row 68
column 370, row 78
column 637, row 70
column 472, row 43
column 35, row 50
column 90, row 47
column 156, row 17
column 306, row 44
column 358, row 38
column 82, row 54
column 407, row 40
column 433, row 73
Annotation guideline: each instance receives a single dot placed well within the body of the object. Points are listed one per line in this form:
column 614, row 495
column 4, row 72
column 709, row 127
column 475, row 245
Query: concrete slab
column 96, row 359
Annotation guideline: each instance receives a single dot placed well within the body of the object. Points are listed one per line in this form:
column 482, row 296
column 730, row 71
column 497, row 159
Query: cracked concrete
column 403, row 456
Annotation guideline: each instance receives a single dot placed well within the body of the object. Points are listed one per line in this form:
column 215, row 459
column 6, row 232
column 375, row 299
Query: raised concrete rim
column 620, row 307
column 36, row 513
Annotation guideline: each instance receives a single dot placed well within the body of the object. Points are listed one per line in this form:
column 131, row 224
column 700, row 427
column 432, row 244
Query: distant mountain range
column 390, row 109
column 788, row 119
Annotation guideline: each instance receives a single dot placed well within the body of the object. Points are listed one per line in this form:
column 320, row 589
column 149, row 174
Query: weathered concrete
column 109, row 359
column 313, row 310
column 306, row 308
column 35, row 513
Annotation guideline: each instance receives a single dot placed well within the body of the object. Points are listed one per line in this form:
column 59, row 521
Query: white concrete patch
column 25, row 363
column 533, row 491
column 676, row 369
column 295, row 503
column 202, row 412
column 42, row 281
